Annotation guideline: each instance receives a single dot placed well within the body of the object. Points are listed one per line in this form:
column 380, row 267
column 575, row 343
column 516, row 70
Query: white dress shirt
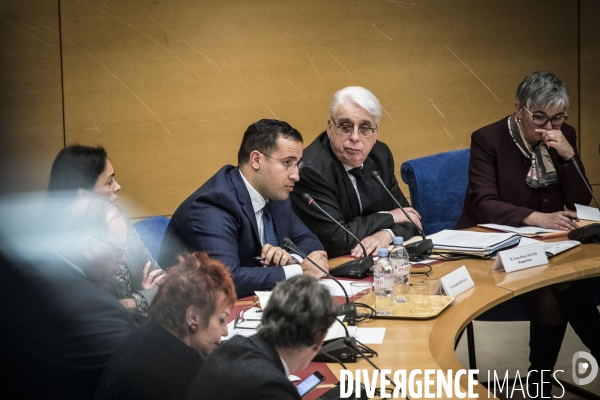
column 258, row 203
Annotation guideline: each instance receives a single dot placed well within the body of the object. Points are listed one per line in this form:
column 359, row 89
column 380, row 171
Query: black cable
column 362, row 317
column 573, row 160
column 366, row 350
column 426, row 273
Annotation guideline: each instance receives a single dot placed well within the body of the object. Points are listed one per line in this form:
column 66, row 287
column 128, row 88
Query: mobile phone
column 311, row 382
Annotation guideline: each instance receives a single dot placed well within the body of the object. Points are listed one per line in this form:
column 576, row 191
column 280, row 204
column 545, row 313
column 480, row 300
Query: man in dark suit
column 337, row 174
column 59, row 327
column 258, row 367
column 242, row 215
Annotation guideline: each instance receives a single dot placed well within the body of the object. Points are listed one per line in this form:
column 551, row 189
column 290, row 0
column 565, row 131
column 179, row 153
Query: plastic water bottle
column 401, row 269
column 383, row 277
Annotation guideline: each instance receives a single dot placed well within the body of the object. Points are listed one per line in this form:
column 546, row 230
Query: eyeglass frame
column 355, row 127
column 565, row 116
column 289, row 164
column 239, row 319
column 119, row 251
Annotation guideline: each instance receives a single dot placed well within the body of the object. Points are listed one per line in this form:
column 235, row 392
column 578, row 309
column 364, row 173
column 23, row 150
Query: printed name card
column 457, row 282
column 521, row 258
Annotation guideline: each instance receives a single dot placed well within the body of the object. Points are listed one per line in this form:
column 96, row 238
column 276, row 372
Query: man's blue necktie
column 270, row 236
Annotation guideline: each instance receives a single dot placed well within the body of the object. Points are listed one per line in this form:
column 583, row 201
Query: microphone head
column 307, row 198
column 375, row 174
column 287, row 242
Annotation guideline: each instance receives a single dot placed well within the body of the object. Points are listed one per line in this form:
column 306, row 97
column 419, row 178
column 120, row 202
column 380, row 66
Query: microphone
column 417, row 251
column 351, row 269
column 355, row 348
column 589, row 233
column 348, row 309
column 334, row 392
column 337, row 348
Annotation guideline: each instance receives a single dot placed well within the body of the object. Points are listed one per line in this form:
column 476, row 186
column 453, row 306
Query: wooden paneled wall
column 168, row 87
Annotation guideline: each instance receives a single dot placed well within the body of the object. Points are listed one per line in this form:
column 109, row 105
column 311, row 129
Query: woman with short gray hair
column 522, row 171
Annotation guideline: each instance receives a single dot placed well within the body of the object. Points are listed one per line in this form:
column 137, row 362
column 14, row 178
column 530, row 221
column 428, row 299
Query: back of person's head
column 263, row 135
column 542, row 89
column 91, row 232
column 84, row 216
column 299, row 313
column 77, row 167
column 356, row 95
column 195, row 281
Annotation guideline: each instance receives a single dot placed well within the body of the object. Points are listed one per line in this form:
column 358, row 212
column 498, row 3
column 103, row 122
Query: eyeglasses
column 289, row 164
column 346, row 128
column 239, row 319
column 119, row 251
column 541, row 120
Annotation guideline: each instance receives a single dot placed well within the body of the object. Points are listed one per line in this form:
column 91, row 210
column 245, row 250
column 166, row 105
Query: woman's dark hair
column 77, row 167
column 196, row 281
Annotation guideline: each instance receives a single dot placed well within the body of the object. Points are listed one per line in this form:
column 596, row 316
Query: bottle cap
column 398, row 240
column 382, row 252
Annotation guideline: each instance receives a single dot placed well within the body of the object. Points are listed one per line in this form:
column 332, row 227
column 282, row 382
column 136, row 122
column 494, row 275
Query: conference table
column 429, row 344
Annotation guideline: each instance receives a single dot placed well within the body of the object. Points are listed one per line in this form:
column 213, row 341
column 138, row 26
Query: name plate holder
column 455, row 283
column 520, row 258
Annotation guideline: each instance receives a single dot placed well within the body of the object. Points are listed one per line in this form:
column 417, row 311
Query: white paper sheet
column 263, row 298
column 335, row 289
column 468, row 239
column 521, row 230
column 364, row 335
column 589, row 213
column 370, row 335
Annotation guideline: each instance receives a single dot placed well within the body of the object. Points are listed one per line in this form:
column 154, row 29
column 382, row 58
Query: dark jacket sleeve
column 335, row 239
column 483, row 185
column 327, row 182
column 493, row 165
column 574, row 188
column 213, row 226
column 302, row 237
column 405, row 229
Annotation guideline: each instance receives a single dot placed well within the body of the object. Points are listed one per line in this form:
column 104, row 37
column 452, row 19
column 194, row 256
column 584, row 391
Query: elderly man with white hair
column 337, row 174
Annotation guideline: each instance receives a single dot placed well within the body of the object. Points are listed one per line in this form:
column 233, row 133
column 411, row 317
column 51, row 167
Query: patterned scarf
column 541, row 173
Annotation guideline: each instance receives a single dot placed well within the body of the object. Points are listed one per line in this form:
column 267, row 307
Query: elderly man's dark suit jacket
column 243, row 368
column 326, row 180
column 497, row 192
column 219, row 219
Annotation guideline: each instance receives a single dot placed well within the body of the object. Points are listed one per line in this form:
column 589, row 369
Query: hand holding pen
column 274, row 256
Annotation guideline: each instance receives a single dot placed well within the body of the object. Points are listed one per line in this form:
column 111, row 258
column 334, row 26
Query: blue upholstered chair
column 437, row 185
column 152, row 230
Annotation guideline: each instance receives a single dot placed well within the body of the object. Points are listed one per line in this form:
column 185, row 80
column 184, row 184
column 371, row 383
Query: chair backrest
column 151, row 231
column 437, row 185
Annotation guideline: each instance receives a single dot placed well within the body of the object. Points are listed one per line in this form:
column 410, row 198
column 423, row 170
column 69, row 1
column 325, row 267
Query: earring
column 193, row 328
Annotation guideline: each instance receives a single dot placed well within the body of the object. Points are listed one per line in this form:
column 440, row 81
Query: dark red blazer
column 497, row 192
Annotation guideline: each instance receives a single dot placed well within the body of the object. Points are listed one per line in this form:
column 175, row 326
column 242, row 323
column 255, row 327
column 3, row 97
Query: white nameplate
column 521, row 258
column 457, row 282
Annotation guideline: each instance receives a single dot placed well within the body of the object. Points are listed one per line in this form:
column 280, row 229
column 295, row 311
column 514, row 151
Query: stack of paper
column 521, row 230
column 480, row 244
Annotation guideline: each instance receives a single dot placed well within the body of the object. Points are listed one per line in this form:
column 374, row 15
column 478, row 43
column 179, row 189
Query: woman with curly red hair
column 188, row 317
